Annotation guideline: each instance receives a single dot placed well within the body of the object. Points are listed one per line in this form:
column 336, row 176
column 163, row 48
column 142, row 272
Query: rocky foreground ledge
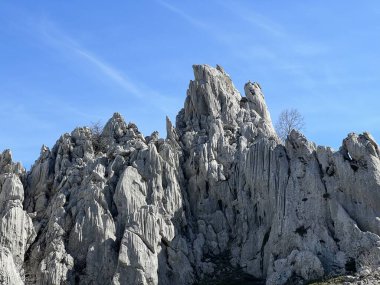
column 219, row 199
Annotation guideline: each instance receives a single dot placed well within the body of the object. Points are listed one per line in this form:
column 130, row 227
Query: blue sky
column 65, row 64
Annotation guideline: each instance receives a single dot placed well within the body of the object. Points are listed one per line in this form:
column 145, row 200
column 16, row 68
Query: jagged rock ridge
column 219, row 196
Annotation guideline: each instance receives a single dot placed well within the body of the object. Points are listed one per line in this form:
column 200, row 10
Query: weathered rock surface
column 218, row 197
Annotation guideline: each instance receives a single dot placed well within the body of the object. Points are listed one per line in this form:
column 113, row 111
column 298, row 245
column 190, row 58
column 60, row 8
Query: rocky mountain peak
column 220, row 197
column 8, row 166
column 212, row 101
column 211, row 95
column 115, row 127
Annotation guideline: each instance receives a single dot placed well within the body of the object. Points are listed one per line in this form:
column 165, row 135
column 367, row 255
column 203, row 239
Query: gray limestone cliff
column 219, row 198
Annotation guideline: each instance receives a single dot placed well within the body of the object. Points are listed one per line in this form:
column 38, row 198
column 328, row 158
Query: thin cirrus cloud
column 182, row 14
column 275, row 31
column 66, row 44
column 47, row 32
column 282, row 50
column 280, row 42
column 110, row 72
column 227, row 39
column 54, row 37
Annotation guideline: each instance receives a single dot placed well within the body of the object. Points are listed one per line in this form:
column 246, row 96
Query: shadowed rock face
column 220, row 196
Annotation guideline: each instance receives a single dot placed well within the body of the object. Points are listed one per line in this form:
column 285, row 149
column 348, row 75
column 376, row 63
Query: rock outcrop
column 220, row 197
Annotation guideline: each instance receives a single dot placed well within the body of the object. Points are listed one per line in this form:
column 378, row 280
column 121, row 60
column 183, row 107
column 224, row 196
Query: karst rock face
column 220, row 196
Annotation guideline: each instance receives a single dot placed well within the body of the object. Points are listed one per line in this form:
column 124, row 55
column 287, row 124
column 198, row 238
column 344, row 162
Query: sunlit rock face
column 220, row 197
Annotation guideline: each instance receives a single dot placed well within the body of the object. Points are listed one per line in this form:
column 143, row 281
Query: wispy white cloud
column 58, row 39
column 290, row 52
column 275, row 30
column 110, row 72
column 256, row 19
column 234, row 42
column 182, row 14
column 281, row 45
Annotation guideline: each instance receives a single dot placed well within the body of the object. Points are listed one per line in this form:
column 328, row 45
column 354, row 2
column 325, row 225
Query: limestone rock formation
column 219, row 198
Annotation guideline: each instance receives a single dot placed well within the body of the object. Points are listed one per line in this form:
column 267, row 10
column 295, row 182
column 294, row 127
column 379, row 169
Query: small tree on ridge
column 97, row 140
column 288, row 120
